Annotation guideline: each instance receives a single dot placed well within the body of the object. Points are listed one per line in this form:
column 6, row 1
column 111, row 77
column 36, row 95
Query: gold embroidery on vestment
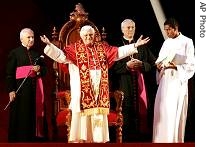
column 90, row 105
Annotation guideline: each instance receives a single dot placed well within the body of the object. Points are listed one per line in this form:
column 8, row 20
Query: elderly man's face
column 28, row 39
column 88, row 37
column 128, row 30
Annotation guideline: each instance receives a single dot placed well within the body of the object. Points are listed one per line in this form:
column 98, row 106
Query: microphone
column 37, row 59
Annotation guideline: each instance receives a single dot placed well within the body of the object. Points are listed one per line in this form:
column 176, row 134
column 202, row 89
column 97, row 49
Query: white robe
column 171, row 102
column 81, row 126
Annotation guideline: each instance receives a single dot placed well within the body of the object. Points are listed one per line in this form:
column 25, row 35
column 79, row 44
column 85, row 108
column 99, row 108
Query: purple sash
column 142, row 102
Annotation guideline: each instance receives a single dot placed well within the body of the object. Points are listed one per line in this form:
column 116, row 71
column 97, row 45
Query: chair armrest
column 118, row 96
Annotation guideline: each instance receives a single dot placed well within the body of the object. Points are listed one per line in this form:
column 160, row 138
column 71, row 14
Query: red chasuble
column 82, row 56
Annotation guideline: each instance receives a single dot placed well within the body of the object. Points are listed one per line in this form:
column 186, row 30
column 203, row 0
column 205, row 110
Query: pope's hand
column 141, row 41
column 45, row 40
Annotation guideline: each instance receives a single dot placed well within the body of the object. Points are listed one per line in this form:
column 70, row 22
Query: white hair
column 23, row 31
column 125, row 22
column 86, row 28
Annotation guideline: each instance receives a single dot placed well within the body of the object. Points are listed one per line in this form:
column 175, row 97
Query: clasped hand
column 134, row 64
column 36, row 68
column 160, row 65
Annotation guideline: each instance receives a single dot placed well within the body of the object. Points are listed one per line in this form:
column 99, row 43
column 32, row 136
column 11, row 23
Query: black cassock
column 22, row 111
column 135, row 125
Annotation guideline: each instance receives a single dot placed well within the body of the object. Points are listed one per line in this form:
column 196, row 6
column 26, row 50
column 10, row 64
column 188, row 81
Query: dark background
column 43, row 15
